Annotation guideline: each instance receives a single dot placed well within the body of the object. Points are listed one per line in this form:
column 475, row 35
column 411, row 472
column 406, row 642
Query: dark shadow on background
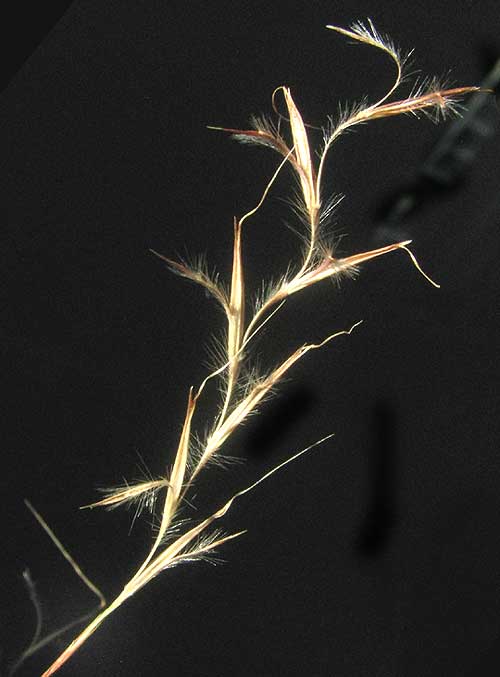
column 26, row 25
column 457, row 151
column 380, row 518
column 277, row 421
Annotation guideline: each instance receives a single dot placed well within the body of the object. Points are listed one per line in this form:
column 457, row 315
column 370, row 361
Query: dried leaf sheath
column 179, row 470
column 303, row 160
column 235, row 317
column 176, row 479
column 237, row 300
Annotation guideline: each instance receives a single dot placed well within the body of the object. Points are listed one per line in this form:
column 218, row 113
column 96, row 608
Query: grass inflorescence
column 243, row 387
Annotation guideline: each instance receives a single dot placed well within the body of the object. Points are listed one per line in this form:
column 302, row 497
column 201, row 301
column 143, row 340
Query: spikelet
column 142, row 494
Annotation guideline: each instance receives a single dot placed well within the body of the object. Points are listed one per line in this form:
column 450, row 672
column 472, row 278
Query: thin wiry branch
column 65, row 553
column 39, row 640
column 34, row 644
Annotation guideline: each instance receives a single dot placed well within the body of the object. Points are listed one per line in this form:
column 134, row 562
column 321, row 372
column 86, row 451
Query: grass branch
column 243, row 388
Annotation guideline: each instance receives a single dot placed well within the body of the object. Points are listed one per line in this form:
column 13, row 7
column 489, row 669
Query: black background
column 377, row 554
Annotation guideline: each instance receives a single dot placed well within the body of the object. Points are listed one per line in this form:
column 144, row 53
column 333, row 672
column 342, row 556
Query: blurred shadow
column 459, row 147
column 278, row 420
column 27, row 30
column 380, row 519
